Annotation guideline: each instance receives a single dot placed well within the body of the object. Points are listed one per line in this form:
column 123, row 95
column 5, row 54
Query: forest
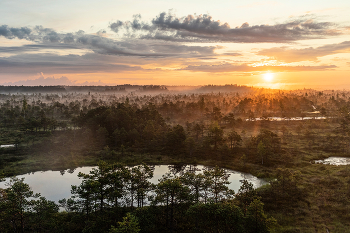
column 125, row 130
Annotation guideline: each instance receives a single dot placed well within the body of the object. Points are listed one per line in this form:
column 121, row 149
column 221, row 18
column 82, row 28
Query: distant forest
column 277, row 135
column 124, row 88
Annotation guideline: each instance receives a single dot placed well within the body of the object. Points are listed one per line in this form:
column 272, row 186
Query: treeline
column 145, row 124
column 227, row 108
column 125, row 128
column 25, row 122
column 123, row 125
column 226, row 88
column 128, row 128
column 117, row 198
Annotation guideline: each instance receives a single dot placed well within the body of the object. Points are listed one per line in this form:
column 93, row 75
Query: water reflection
column 334, row 161
column 56, row 185
column 7, row 146
column 286, row 118
column 52, row 184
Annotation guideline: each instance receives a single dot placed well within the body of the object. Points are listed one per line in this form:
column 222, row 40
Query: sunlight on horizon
column 268, row 77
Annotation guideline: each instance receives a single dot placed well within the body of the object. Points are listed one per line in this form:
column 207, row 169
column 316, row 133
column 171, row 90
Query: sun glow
column 268, row 77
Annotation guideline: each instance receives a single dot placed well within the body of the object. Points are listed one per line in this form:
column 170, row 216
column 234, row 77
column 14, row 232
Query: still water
column 7, row 146
column 287, row 119
column 334, row 161
column 56, row 185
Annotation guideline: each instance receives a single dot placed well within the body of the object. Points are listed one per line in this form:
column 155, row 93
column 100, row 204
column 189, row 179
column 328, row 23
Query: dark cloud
column 197, row 28
column 116, row 26
column 308, row 54
column 232, row 54
column 135, row 48
column 37, row 33
column 47, row 38
column 23, row 59
column 35, row 48
column 227, row 67
column 99, row 63
column 103, row 54
column 11, row 33
column 51, row 63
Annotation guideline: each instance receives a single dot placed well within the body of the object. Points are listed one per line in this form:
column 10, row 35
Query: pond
column 287, row 119
column 334, row 161
column 7, row 146
column 56, row 185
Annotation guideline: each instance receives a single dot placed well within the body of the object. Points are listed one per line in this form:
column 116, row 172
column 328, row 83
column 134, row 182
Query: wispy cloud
column 35, row 48
column 286, row 54
column 52, row 81
column 51, row 63
column 49, row 81
column 227, row 67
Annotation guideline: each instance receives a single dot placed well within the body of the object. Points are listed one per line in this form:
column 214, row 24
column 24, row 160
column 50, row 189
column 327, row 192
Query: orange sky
column 299, row 44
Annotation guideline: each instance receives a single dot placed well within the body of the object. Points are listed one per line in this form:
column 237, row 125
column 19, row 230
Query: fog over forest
column 279, row 136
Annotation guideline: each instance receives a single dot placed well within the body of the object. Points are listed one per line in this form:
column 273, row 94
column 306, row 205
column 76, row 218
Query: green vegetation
column 180, row 202
column 66, row 130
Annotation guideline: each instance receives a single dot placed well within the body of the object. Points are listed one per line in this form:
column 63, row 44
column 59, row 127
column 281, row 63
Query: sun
column 268, row 77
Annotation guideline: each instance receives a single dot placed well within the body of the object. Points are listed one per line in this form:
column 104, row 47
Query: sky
column 273, row 44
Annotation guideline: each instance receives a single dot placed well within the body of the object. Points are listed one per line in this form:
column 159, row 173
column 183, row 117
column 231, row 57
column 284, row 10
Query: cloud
column 27, row 61
column 47, row 38
column 157, row 43
column 37, row 33
column 11, row 33
column 35, row 48
column 51, row 64
column 286, row 54
column 49, row 81
column 232, row 54
column 202, row 28
column 227, row 67
column 52, row 81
